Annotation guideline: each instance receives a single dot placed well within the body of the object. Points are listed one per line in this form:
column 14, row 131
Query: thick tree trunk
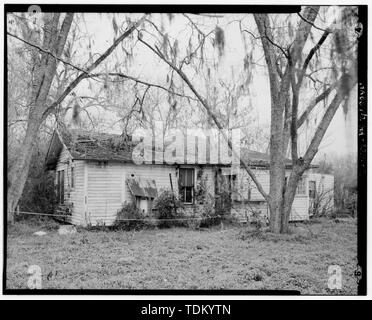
column 275, row 208
column 18, row 170
column 289, row 195
column 54, row 42
column 277, row 176
column 348, row 81
column 281, row 196
column 279, row 128
column 45, row 69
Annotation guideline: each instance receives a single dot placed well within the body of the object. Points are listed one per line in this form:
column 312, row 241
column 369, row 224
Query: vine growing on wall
column 201, row 189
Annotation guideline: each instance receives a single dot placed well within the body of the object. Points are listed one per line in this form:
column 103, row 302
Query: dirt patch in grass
column 178, row 258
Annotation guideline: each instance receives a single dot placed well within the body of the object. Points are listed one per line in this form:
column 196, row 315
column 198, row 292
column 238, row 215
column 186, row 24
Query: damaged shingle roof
column 84, row 145
column 258, row 158
column 98, row 146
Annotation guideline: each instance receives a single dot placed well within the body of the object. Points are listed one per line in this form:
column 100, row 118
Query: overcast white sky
column 342, row 133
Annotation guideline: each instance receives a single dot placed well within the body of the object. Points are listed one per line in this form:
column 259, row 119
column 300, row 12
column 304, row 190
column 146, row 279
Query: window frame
column 183, row 189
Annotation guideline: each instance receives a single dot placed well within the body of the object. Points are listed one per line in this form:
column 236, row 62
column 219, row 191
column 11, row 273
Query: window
column 235, row 192
column 249, row 189
column 312, row 189
column 322, row 184
column 301, row 187
column 61, row 186
column 186, row 185
column 72, row 177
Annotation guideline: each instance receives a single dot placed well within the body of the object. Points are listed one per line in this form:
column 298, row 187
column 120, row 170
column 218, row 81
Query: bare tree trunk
column 275, row 208
column 18, row 171
column 279, row 91
column 53, row 43
column 346, row 83
column 277, row 169
column 45, row 66
column 289, row 195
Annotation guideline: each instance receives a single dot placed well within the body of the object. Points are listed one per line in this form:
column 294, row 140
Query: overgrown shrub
column 130, row 211
column 38, row 194
column 193, row 221
column 322, row 205
column 206, row 204
column 167, row 206
column 351, row 203
column 210, row 216
column 201, row 187
column 223, row 204
column 344, row 168
column 256, row 219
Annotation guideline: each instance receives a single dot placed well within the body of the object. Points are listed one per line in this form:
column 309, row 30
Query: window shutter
column 189, row 178
column 186, row 177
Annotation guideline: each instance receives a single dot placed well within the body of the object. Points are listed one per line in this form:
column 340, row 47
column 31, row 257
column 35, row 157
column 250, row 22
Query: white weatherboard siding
column 77, row 195
column 300, row 207
column 159, row 173
column 263, row 177
column 100, row 190
column 244, row 183
column 103, row 192
column 72, row 195
column 107, row 189
column 325, row 181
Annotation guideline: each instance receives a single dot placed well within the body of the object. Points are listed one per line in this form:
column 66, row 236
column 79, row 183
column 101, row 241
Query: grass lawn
column 180, row 258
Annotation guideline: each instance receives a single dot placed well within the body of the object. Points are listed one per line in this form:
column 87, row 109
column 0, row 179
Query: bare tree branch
column 98, row 61
column 310, row 22
column 301, row 120
column 295, row 97
column 209, row 111
column 122, row 75
column 262, row 21
column 46, row 51
column 347, row 82
column 310, row 55
column 303, row 31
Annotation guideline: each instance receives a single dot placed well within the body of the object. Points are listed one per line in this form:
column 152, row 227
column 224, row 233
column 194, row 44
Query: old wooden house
column 247, row 199
column 96, row 175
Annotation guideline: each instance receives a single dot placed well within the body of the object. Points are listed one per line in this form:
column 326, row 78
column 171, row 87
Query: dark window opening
column 72, row 177
column 312, row 189
column 61, row 186
column 186, row 185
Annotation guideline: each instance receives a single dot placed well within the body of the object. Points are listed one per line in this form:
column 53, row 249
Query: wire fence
column 18, row 213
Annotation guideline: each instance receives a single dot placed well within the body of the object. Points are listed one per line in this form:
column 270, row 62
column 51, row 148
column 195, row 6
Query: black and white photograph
column 185, row 149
